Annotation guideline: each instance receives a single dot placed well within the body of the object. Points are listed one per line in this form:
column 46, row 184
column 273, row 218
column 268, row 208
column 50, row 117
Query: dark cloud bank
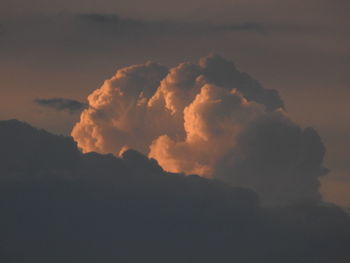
column 59, row 205
column 61, row 104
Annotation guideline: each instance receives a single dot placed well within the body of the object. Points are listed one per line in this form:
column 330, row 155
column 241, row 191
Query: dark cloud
column 83, row 29
column 195, row 27
column 278, row 159
column 168, row 26
column 224, row 73
column 270, row 28
column 96, row 37
column 247, row 26
column 100, row 18
column 41, row 150
column 61, row 104
column 74, row 207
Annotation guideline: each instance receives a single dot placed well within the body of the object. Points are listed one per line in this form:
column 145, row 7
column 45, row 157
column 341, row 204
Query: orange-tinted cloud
column 205, row 118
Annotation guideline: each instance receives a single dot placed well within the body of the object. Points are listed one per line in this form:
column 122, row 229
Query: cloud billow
column 206, row 118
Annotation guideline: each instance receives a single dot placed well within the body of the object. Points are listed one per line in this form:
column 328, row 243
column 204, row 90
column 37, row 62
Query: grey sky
column 47, row 51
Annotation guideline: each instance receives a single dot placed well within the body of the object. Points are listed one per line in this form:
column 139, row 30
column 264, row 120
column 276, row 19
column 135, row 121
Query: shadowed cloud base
column 59, row 205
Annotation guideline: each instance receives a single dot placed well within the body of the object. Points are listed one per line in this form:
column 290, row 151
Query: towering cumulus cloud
column 205, row 118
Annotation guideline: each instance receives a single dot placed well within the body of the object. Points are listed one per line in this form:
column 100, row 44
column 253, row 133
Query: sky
column 216, row 126
column 66, row 49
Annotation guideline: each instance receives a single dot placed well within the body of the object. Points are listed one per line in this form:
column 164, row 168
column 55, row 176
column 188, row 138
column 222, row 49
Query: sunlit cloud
column 205, row 118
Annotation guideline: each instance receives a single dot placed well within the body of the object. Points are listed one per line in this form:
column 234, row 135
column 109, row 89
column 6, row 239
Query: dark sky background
column 53, row 54
column 66, row 49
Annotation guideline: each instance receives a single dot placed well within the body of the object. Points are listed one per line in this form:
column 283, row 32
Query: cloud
column 247, row 26
column 42, row 148
column 61, row 104
column 81, row 31
column 167, row 25
column 206, row 118
column 100, row 18
column 80, row 35
column 278, row 159
column 59, row 204
column 211, row 121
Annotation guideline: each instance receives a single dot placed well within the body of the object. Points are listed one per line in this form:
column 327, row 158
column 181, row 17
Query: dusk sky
column 251, row 93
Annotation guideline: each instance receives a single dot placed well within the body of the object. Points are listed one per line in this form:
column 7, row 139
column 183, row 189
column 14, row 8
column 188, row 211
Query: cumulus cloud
column 275, row 153
column 205, row 118
column 61, row 104
column 124, row 96
column 211, row 123
column 59, row 204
